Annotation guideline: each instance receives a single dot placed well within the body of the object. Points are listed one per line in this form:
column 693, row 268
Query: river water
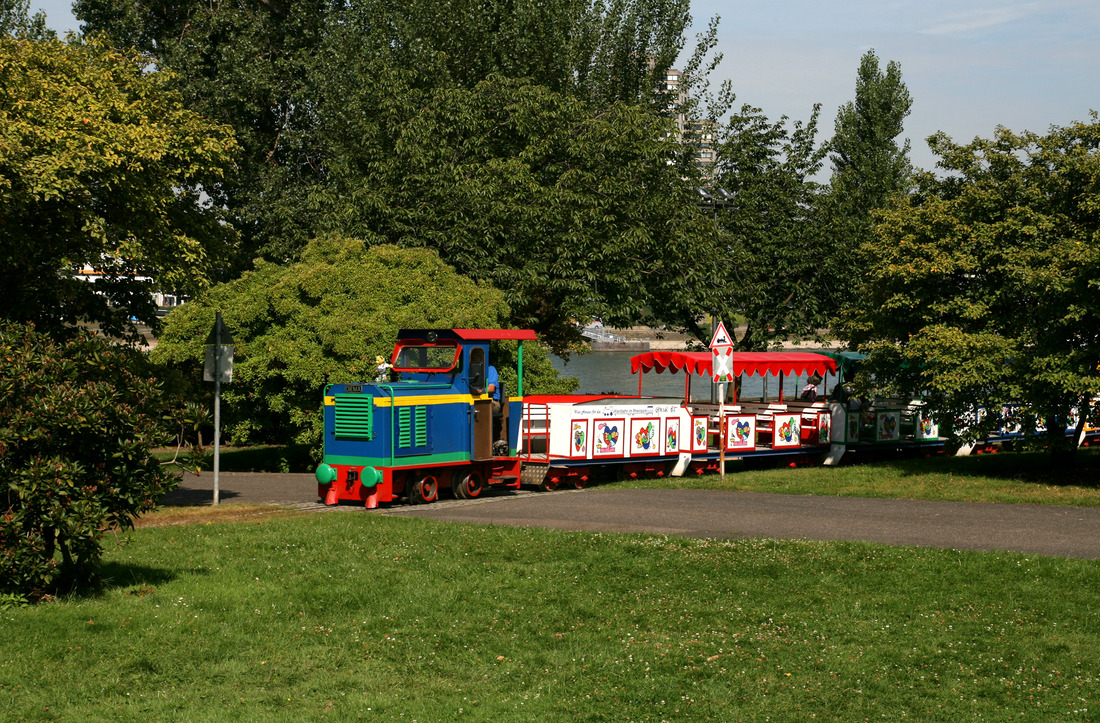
column 602, row 372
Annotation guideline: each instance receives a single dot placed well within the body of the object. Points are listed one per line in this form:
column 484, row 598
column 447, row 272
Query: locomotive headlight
column 326, row 474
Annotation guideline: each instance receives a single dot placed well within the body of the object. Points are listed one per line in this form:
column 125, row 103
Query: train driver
column 492, row 388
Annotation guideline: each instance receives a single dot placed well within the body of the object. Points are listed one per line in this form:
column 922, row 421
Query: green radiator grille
column 412, row 427
column 354, row 416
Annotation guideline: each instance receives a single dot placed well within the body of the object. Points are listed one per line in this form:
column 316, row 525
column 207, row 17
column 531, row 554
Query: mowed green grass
column 352, row 615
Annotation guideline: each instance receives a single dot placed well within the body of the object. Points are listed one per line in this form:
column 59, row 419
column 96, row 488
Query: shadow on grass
column 269, row 458
column 181, row 497
column 1030, row 466
column 139, row 580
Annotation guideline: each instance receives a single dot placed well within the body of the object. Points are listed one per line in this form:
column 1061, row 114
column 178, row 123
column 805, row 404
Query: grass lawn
column 1011, row 477
column 348, row 615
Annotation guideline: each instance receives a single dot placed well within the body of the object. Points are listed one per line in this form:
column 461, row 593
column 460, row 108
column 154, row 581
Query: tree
column 982, row 286
column 16, row 21
column 78, row 420
column 280, row 73
column 101, row 167
column 869, row 167
column 571, row 215
column 768, row 255
column 319, row 321
column 868, row 164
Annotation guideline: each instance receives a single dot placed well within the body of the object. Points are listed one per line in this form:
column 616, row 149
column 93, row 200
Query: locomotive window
column 477, row 368
column 427, row 357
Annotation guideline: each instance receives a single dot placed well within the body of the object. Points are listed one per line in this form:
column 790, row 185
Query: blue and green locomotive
column 430, row 426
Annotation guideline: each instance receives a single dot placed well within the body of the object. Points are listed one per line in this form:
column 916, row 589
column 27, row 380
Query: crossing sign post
column 721, row 367
column 218, row 369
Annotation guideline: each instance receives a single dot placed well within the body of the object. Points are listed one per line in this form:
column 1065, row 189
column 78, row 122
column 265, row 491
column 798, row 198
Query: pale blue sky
column 970, row 65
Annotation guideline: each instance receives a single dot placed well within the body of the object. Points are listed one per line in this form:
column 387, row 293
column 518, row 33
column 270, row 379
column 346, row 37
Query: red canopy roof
column 744, row 362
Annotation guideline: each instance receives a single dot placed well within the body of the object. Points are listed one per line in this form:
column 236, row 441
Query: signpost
column 721, row 367
column 218, row 368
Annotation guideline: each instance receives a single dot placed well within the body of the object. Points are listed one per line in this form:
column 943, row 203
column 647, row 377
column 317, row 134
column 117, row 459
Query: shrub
column 78, row 420
column 319, row 321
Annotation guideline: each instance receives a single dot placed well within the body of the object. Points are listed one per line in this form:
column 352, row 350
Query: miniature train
column 435, row 429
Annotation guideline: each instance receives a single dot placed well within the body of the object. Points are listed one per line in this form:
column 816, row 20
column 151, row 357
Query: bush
column 319, row 321
column 77, row 422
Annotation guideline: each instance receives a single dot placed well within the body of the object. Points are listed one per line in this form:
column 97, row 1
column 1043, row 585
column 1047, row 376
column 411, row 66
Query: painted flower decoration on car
column 889, row 424
column 609, row 439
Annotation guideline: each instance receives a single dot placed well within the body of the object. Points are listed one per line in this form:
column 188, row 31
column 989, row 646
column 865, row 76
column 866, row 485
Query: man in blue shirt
column 492, row 388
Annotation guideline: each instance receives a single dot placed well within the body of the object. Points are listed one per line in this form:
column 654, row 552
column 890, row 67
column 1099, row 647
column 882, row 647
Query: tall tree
column 248, row 64
column 982, row 289
column 16, row 21
column 767, row 258
column 570, row 215
column 869, row 164
column 101, row 167
column 265, row 67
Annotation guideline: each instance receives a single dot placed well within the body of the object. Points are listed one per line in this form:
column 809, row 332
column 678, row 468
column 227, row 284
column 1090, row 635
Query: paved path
column 1046, row 530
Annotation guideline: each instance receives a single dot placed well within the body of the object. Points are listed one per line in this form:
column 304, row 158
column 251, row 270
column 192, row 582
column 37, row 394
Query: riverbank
column 647, row 338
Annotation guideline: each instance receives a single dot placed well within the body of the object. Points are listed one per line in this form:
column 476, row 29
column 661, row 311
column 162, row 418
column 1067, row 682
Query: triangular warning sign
column 721, row 337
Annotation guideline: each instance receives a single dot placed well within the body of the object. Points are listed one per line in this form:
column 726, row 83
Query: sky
column 970, row 65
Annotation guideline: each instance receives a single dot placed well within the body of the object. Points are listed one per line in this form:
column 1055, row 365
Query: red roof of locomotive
column 473, row 334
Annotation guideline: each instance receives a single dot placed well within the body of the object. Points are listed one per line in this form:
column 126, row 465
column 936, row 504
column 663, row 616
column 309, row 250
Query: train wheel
column 471, row 486
column 548, row 484
column 424, row 490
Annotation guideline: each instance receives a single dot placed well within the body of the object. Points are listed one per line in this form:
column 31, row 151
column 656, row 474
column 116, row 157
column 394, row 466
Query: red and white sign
column 721, row 350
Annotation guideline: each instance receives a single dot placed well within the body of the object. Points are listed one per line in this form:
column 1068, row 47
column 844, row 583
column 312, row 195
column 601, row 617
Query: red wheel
column 423, row 490
column 472, row 485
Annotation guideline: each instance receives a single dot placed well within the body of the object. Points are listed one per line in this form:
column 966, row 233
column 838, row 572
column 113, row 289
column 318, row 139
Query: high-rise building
column 698, row 133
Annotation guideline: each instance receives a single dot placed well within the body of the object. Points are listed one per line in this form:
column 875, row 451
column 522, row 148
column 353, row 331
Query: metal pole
column 217, row 434
column 722, row 430
column 217, row 405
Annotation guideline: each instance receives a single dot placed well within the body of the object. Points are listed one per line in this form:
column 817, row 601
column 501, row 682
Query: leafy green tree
column 769, row 251
column 982, row 288
column 321, row 320
column 78, row 420
column 16, row 21
column 572, row 216
column 248, row 64
column 279, row 73
column 869, row 165
column 406, row 123
column 101, row 167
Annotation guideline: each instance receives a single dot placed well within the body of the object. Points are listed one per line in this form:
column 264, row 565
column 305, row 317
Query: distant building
column 698, row 133
column 165, row 301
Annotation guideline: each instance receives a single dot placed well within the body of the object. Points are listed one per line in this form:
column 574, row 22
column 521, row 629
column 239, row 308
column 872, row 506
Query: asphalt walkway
column 1046, row 530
